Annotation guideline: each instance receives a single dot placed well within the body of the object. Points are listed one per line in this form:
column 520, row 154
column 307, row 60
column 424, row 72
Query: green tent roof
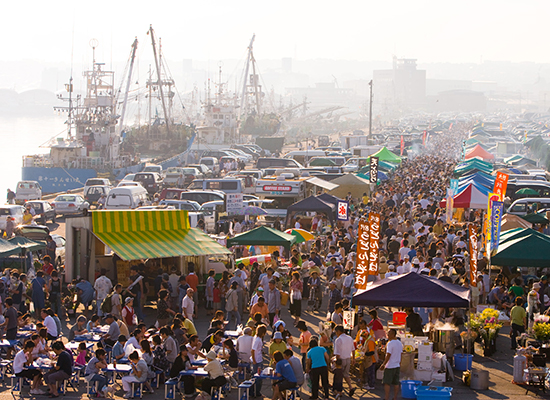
column 536, row 218
column 513, row 158
column 472, row 141
column 525, row 248
column 322, row 162
column 27, row 244
column 262, row 236
column 8, row 249
column 385, row 155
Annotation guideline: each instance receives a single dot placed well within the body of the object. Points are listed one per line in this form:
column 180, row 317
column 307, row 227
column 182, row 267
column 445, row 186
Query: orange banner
column 473, row 254
column 374, row 222
column 362, row 261
column 501, row 183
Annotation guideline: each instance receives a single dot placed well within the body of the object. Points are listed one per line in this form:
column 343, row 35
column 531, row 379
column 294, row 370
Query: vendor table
column 73, row 346
column 231, row 334
column 87, row 338
column 195, row 372
column 536, row 377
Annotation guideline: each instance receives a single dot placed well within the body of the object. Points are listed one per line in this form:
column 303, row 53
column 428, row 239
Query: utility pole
column 370, row 110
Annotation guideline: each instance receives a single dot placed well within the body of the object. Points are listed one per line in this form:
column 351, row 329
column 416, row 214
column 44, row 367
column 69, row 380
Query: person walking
column 344, row 349
column 518, row 318
column 317, row 367
column 273, row 298
column 391, row 364
column 257, row 358
column 232, row 304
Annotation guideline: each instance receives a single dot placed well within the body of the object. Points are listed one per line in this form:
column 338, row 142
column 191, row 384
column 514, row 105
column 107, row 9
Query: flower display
column 541, row 330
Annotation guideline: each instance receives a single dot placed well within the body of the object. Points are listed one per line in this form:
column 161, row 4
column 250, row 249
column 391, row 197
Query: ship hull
column 54, row 180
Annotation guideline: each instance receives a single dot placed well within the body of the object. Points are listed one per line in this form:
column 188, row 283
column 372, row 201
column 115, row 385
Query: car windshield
column 4, row 211
column 173, row 170
column 92, row 182
column 191, row 171
column 65, row 198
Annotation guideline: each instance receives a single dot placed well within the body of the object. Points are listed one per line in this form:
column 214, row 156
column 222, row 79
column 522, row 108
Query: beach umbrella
column 301, row 235
column 528, row 192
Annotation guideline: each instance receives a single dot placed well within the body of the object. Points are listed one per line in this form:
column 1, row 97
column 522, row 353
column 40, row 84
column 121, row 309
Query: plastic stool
column 217, row 393
column 244, row 390
column 91, row 390
column 155, row 382
column 5, row 366
column 61, row 389
column 243, row 369
column 137, row 390
column 170, row 388
column 290, row 394
column 16, row 383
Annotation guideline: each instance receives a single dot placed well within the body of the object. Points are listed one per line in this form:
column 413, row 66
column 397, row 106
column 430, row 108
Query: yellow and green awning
column 141, row 234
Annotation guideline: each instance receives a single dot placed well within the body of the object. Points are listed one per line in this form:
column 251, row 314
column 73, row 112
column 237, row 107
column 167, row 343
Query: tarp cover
column 386, row 155
column 27, row 244
column 142, row 234
column 413, row 290
column 350, row 183
column 314, row 203
column 262, row 236
column 8, row 249
column 470, row 197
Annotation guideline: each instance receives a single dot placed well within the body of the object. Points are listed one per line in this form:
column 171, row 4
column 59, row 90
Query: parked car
column 66, row 204
column 60, row 249
column 187, row 205
column 202, row 196
column 129, row 183
column 125, row 198
column 190, row 174
column 93, row 193
column 27, row 190
column 172, row 176
column 11, row 210
column 44, row 211
column 153, row 168
column 151, row 181
column 203, row 169
column 212, row 164
column 96, row 182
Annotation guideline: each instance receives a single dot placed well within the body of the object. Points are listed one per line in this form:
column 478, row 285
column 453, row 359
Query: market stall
column 312, row 204
column 262, row 236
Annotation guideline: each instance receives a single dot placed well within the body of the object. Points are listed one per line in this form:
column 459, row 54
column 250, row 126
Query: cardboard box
column 424, row 376
column 425, row 358
column 424, row 366
column 439, row 376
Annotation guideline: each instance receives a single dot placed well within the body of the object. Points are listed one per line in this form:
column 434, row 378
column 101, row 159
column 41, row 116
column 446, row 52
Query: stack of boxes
column 424, row 367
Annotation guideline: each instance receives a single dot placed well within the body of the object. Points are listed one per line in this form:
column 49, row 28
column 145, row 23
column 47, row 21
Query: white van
column 28, row 190
column 125, row 198
column 223, row 185
column 526, row 205
column 303, row 156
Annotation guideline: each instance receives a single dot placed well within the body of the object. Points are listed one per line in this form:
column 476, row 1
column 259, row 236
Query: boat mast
column 249, row 56
column 132, row 59
column 159, row 79
column 255, row 82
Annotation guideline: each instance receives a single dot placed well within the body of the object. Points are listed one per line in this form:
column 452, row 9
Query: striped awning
column 142, row 234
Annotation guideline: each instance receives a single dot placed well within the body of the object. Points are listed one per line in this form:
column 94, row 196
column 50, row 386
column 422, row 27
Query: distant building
column 401, row 88
column 458, row 100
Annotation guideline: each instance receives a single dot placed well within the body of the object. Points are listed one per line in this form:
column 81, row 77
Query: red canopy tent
column 470, row 197
column 479, row 151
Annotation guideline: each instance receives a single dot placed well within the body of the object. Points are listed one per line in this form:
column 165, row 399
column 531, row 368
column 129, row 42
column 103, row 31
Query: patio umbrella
column 252, row 210
column 528, row 192
column 301, row 235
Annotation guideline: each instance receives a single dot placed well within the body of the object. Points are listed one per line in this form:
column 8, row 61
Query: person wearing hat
column 216, row 376
column 112, row 335
column 382, row 267
column 404, row 268
column 277, row 344
column 391, row 271
column 128, row 314
column 79, row 328
column 254, row 299
column 244, row 344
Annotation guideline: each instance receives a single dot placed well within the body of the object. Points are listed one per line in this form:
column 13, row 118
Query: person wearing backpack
column 116, row 301
column 103, row 287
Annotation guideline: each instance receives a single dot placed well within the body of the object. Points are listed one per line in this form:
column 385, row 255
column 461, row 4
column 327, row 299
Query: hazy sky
column 431, row 31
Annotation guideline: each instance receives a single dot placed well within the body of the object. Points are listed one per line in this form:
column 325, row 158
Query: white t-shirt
column 49, row 324
column 394, row 348
column 244, row 346
column 403, row 251
column 344, row 346
column 390, row 274
column 189, row 306
column 19, row 362
column 257, row 346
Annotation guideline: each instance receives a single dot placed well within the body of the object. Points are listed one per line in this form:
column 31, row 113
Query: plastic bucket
column 479, row 379
column 432, row 392
column 408, row 389
column 463, row 362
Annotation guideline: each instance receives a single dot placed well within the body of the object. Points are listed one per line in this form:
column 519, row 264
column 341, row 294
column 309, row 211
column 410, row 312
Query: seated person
column 284, row 370
column 23, row 359
column 62, row 370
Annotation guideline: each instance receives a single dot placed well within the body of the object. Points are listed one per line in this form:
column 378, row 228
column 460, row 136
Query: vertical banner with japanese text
column 473, row 255
column 501, row 183
column 362, row 262
column 496, row 218
column 374, row 169
column 374, row 222
column 402, row 145
column 449, row 206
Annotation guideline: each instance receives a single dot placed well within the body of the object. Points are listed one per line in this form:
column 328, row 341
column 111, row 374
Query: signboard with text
column 374, row 169
column 233, row 203
column 362, row 262
column 374, row 238
column 343, row 210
